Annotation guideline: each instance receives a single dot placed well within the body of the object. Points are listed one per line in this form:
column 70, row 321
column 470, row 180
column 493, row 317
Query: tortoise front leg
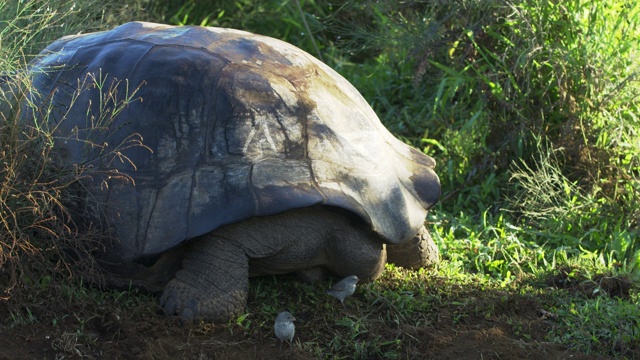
column 419, row 252
column 213, row 284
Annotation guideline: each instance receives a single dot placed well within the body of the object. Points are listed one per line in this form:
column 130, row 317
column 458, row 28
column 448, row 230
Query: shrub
column 39, row 240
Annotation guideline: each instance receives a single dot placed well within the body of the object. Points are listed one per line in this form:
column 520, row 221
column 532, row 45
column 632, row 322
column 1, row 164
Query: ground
column 480, row 324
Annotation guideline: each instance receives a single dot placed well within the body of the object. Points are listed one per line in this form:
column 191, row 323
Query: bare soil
column 481, row 325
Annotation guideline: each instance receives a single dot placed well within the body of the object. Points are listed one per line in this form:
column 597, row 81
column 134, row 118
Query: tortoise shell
column 234, row 125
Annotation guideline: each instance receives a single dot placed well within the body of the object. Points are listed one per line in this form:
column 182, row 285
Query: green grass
column 586, row 315
column 530, row 109
column 610, row 325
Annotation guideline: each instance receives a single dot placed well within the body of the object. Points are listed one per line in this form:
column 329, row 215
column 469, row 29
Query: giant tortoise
column 245, row 156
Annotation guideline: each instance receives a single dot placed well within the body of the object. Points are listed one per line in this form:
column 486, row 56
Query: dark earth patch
column 472, row 324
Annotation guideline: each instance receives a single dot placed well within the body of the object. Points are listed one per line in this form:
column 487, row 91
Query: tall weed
column 39, row 240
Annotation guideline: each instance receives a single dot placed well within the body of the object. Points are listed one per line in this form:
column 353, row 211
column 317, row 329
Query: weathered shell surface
column 238, row 125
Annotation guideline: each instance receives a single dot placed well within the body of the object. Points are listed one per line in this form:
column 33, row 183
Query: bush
column 39, row 240
column 489, row 87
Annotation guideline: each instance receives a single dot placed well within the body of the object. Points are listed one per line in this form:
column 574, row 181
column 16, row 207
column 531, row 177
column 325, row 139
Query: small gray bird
column 284, row 327
column 344, row 288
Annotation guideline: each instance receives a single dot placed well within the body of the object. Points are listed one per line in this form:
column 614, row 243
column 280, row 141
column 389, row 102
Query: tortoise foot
column 419, row 252
column 191, row 303
column 213, row 284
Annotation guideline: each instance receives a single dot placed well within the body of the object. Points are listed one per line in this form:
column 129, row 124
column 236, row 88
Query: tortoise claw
column 169, row 304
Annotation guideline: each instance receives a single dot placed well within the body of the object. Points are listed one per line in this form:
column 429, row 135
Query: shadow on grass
column 404, row 314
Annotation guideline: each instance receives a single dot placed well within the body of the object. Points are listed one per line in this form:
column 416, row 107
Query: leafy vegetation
column 31, row 212
column 39, row 242
column 531, row 109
